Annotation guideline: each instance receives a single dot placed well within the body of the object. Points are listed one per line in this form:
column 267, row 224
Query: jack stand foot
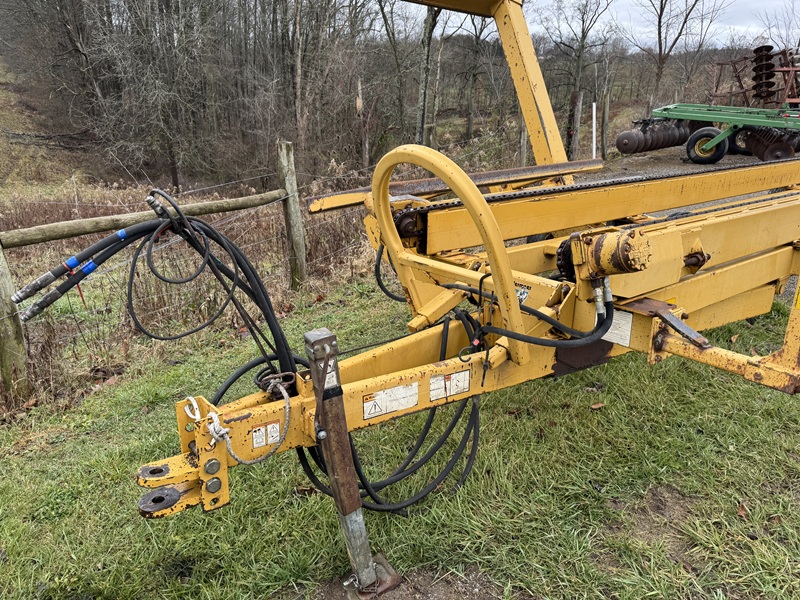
column 388, row 579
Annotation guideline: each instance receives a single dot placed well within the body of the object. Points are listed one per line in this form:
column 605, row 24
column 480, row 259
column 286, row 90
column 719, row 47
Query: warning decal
column 330, row 377
column 388, row 401
column 259, row 436
column 273, row 432
column 270, row 433
column 443, row 386
column 620, row 332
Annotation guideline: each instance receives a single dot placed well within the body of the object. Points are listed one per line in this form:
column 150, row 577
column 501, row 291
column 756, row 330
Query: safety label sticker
column 620, row 332
column 388, row 401
column 443, row 386
column 330, row 376
column 269, row 433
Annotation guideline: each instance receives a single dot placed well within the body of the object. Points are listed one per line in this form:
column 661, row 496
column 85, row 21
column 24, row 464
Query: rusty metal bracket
column 663, row 310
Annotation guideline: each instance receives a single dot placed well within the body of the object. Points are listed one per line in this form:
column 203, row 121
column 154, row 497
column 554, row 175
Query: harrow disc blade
column 639, row 140
column 778, row 151
column 627, row 142
column 764, row 75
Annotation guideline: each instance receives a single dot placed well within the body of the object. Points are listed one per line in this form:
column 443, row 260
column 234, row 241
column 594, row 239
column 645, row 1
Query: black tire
column 698, row 139
column 737, row 143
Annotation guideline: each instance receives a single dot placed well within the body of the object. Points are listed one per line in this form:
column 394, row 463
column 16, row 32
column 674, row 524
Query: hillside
column 31, row 151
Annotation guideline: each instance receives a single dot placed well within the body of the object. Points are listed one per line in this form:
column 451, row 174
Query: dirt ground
column 424, row 585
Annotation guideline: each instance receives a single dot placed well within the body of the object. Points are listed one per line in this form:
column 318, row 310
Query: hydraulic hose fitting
column 33, row 287
column 38, row 306
column 598, row 288
column 607, row 295
column 157, row 207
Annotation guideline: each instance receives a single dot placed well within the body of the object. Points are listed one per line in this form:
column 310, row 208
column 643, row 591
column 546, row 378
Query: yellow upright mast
column 528, row 81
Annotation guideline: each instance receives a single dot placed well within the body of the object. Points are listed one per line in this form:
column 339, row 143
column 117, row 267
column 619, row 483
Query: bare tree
column 478, row 29
column 428, row 27
column 782, row 24
column 570, row 26
column 666, row 24
column 394, row 20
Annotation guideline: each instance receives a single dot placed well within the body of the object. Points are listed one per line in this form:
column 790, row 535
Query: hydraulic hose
column 379, row 279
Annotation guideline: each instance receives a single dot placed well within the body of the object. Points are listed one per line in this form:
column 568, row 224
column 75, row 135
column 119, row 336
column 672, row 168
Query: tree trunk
column 363, row 116
column 431, row 129
column 574, row 125
column 425, row 72
column 173, row 167
column 13, row 356
column 299, row 111
column 604, row 128
column 473, row 81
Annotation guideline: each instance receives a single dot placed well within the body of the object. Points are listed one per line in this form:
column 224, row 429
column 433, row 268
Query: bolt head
column 214, row 485
column 322, row 435
column 212, row 466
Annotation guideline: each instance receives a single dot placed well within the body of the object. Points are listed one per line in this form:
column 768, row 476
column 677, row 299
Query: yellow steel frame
column 749, row 249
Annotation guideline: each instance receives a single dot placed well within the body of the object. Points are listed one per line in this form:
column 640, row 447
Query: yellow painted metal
column 483, row 8
column 529, row 83
column 405, row 261
column 436, row 309
column 758, row 370
column 451, row 229
column 705, row 269
column 430, row 189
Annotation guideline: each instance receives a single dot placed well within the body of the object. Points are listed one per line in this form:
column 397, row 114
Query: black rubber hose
column 148, row 243
column 76, row 278
column 400, row 506
column 242, row 276
column 437, row 445
column 526, row 309
column 379, row 279
column 473, row 451
column 397, row 506
column 423, row 434
column 246, row 368
column 598, row 332
column 370, row 489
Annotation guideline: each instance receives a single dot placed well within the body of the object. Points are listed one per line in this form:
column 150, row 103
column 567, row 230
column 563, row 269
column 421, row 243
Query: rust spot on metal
column 153, row 471
column 569, row 360
column 239, row 418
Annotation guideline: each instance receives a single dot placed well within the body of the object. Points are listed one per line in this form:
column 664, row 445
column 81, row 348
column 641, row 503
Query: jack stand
column 388, row 579
column 371, row 576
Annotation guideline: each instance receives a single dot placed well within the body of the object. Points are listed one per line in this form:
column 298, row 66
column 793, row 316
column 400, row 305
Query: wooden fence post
column 295, row 232
column 13, row 356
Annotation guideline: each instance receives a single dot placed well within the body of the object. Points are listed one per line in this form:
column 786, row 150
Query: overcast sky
column 741, row 18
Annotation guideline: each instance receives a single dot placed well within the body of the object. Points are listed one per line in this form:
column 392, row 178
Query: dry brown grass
column 75, row 346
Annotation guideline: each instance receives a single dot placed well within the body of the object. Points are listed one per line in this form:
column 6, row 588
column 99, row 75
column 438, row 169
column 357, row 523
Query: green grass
column 638, row 499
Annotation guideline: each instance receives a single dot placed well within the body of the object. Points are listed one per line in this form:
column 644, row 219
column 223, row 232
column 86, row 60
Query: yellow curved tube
column 458, row 181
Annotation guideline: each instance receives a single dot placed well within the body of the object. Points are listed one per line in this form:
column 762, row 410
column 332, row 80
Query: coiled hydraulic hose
column 202, row 237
